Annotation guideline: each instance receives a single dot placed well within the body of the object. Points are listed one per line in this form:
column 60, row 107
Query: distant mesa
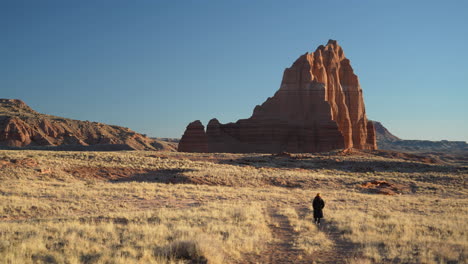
column 22, row 127
column 318, row 107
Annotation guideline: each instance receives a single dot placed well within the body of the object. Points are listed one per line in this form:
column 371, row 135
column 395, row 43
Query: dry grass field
column 167, row 207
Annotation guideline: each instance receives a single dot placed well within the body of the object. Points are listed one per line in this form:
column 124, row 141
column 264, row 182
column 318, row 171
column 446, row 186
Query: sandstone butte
column 21, row 126
column 318, row 107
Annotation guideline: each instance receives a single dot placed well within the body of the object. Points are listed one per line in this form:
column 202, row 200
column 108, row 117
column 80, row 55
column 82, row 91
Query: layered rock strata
column 319, row 107
column 21, row 126
column 194, row 138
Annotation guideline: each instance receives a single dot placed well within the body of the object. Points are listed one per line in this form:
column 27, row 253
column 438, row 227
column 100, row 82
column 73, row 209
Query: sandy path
column 282, row 249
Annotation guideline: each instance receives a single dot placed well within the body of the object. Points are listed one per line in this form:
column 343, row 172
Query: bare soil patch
column 384, row 187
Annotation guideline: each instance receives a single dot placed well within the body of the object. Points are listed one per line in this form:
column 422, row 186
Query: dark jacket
column 318, row 204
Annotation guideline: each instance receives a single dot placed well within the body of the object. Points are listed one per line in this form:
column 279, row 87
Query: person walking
column 318, row 204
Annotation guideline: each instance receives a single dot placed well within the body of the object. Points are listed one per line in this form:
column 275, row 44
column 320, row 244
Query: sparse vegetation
column 309, row 238
column 153, row 207
column 211, row 232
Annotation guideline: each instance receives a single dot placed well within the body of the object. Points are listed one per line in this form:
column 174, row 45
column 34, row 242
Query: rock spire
column 318, row 107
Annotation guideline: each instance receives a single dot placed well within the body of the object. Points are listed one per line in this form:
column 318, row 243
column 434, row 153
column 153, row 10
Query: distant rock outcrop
column 21, row 126
column 319, row 107
column 382, row 133
column 388, row 141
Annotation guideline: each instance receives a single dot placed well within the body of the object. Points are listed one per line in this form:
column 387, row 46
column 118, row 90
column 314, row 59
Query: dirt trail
column 343, row 250
column 282, row 249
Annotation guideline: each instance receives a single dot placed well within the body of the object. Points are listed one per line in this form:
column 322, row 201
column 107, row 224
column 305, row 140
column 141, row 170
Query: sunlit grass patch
column 406, row 229
column 214, row 233
column 309, row 238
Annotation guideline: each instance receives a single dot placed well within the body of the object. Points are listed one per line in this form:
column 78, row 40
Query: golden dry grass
column 211, row 232
column 405, row 229
column 308, row 238
column 53, row 210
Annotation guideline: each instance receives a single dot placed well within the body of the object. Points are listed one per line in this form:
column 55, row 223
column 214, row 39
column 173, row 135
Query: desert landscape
column 147, row 206
column 86, row 192
column 115, row 149
column 170, row 207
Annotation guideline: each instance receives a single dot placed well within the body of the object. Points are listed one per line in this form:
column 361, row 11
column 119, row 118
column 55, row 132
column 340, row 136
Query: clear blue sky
column 155, row 66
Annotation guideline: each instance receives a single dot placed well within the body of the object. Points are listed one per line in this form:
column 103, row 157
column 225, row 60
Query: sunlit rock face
column 319, row 107
column 21, row 126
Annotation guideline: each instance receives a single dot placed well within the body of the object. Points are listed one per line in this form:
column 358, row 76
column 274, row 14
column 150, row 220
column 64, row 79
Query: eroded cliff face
column 21, row 126
column 194, row 138
column 319, row 107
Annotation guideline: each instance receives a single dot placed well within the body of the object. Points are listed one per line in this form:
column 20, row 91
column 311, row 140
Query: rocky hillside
column 21, row 126
column 388, row 141
column 383, row 135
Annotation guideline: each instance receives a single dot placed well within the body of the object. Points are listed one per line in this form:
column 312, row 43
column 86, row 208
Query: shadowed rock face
column 319, row 107
column 194, row 138
column 21, row 126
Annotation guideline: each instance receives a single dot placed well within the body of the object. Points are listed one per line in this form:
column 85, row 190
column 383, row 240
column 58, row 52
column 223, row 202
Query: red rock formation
column 319, row 107
column 194, row 138
column 15, row 133
column 20, row 126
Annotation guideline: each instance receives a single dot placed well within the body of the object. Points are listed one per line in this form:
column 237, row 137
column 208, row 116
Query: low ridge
column 386, row 140
column 21, row 126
